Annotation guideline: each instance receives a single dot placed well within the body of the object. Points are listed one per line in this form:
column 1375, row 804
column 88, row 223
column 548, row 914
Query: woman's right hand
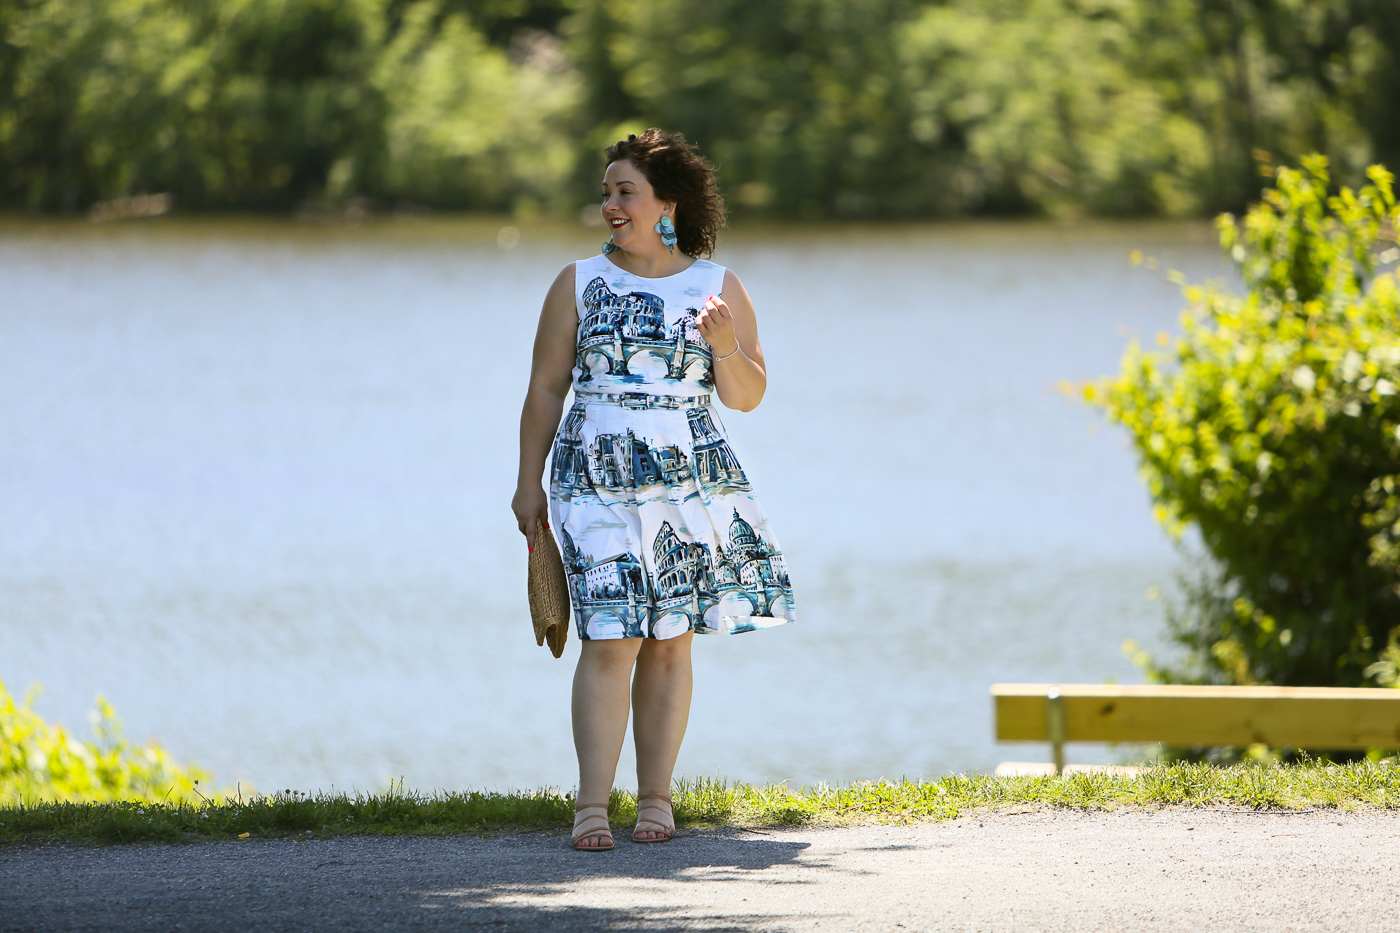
column 530, row 505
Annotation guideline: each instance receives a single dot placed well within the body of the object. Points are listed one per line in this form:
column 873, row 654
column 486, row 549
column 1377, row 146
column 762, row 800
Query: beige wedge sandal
column 646, row 824
column 592, row 827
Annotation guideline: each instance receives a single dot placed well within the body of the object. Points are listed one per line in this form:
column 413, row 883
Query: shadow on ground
column 514, row 882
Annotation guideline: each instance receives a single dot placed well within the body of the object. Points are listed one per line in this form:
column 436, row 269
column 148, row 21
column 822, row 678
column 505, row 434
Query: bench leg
column 1055, row 728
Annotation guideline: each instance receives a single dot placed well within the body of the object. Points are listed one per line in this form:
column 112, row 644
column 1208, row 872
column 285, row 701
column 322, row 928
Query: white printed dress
column 660, row 529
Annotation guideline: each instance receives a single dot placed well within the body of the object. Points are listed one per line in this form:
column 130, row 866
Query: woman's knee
column 615, row 656
column 666, row 654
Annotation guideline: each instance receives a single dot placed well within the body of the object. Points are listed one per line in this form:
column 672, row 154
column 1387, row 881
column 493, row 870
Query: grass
column 710, row 802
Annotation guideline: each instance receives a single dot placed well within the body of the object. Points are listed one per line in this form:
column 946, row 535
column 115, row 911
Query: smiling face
column 630, row 207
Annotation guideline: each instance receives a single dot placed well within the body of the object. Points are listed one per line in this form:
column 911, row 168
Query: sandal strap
column 600, row 827
column 645, row 823
column 593, row 826
column 590, row 806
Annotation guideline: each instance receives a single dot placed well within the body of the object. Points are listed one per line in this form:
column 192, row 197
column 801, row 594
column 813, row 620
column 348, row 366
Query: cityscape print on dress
column 623, row 463
column 620, row 333
column 687, row 586
column 659, row 526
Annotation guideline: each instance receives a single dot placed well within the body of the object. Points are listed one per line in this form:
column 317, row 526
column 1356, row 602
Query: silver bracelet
column 721, row 359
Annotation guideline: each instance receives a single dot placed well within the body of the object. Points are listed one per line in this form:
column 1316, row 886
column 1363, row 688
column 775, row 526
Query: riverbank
column 711, row 804
column 1037, row 868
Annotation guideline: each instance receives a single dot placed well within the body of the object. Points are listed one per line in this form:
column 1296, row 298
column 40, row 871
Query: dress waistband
column 644, row 400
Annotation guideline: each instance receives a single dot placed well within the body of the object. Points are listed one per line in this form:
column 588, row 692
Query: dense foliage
column 1272, row 427
column 812, row 107
column 40, row 761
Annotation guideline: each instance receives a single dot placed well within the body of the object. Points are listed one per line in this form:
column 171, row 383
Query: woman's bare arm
column 550, row 376
column 728, row 324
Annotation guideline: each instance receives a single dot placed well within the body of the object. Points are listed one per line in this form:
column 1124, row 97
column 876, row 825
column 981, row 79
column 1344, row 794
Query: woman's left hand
column 716, row 324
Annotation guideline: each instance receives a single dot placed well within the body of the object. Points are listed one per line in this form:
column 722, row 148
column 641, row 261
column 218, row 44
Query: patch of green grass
column 711, row 802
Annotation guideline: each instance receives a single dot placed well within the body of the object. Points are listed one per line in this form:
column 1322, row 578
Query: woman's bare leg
column 661, row 693
column 600, row 707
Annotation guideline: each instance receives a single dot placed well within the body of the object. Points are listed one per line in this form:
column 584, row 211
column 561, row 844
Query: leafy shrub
column 40, row 761
column 1272, row 427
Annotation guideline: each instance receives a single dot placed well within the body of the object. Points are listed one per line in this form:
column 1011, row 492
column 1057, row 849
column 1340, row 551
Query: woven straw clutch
column 549, row 592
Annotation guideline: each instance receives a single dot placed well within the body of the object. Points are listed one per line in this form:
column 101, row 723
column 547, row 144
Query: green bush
column 1272, row 429
column 40, row 761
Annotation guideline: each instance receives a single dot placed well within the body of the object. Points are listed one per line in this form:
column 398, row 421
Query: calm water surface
column 255, row 483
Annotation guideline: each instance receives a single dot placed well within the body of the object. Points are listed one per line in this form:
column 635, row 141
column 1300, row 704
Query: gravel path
column 1188, row 870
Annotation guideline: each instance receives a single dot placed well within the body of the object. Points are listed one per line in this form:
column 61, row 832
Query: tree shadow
column 521, row 893
column 513, row 882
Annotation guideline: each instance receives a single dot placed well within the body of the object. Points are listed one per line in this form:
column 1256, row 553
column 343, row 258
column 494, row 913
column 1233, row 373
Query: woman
column 661, row 534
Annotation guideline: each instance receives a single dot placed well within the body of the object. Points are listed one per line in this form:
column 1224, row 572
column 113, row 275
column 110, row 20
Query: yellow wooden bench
column 1281, row 717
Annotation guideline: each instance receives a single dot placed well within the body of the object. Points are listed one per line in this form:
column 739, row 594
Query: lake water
column 255, row 482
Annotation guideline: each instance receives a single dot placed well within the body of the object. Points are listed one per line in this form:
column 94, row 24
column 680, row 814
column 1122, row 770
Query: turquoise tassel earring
column 668, row 233
column 610, row 246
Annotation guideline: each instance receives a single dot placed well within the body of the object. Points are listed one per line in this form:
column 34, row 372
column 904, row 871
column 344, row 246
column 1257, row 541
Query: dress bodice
column 638, row 335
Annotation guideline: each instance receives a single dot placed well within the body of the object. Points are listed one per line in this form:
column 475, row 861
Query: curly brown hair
column 679, row 174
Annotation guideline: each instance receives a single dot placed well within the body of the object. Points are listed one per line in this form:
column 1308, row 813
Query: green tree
column 907, row 108
column 1272, row 429
column 273, row 103
column 813, row 108
column 799, row 101
column 243, row 103
column 1059, row 106
column 1134, row 108
column 466, row 125
column 1339, row 61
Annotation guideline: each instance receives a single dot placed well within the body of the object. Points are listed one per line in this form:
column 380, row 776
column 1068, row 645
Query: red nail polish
column 530, row 549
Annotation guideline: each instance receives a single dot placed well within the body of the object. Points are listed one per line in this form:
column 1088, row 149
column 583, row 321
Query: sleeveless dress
column 659, row 527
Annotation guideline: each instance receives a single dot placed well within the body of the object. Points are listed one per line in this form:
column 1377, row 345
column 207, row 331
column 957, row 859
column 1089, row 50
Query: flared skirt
column 659, row 527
